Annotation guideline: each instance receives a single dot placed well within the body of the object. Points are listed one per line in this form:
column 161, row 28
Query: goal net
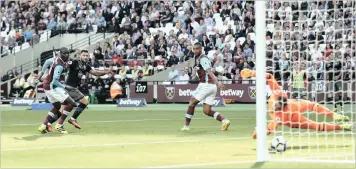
column 310, row 50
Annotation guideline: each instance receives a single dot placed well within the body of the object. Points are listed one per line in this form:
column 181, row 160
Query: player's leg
column 66, row 111
column 320, row 109
column 68, row 103
column 198, row 95
column 304, row 94
column 52, row 98
column 208, row 102
column 52, row 115
column 305, row 123
column 338, row 96
column 83, row 102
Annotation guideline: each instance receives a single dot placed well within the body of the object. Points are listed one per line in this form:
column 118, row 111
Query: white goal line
column 300, row 160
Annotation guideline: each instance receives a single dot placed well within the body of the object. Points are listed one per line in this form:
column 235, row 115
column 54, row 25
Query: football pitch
column 150, row 137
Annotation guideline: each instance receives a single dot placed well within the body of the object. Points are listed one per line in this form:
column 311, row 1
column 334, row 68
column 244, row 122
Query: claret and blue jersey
column 204, row 65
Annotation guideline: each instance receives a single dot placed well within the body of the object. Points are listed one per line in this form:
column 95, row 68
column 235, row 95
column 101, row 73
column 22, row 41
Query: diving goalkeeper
column 288, row 112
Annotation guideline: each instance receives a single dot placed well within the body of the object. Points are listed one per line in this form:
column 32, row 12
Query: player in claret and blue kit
column 206, row 90
column 77, row 69
column 56, row 91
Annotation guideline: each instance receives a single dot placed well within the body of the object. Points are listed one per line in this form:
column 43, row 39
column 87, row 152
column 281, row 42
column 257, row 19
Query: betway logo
column 216, row 102
column 130, row 102
column 186, row 92
column 23, row 102
column 231, row 92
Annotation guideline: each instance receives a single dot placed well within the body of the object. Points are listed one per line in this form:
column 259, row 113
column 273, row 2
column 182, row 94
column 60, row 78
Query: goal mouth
column 310, row 56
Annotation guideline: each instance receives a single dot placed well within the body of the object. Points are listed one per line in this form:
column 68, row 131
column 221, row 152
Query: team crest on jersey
column 252, row 92
column 170, row 92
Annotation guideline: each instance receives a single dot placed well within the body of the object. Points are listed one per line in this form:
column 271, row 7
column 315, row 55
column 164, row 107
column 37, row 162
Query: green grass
column 151, row 136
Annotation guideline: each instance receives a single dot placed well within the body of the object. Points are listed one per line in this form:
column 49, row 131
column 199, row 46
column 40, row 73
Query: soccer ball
column 279, row 144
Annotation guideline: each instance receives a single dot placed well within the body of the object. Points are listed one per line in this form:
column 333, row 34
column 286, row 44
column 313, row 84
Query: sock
column 341, row 101
column 49, row 117
column 217, row 116
column 189, row 115
column 55, row 117
column 320, row 126
column 63, row 117
column 327, row 127
column 323, row 110
column 78, row 111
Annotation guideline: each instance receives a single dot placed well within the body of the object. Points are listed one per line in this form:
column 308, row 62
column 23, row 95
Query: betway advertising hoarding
column 183, row 93
column 238, row 93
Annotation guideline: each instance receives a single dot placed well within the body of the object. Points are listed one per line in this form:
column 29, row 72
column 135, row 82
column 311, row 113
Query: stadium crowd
column 310, row 36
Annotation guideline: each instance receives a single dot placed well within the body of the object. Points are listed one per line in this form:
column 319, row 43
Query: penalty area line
column 120, row 144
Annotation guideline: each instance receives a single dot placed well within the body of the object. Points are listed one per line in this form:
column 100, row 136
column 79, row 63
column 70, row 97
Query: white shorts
column 205, row 93
column 56, row 95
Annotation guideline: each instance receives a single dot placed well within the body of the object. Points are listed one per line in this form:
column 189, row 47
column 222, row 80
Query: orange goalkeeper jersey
column 289, row 116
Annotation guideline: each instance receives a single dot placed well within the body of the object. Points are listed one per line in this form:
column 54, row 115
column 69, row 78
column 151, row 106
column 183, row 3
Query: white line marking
column 122, row 121
column 203, row 164
column 253, row 161
column 120, row 144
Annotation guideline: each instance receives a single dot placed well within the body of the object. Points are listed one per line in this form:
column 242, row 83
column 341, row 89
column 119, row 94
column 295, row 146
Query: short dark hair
column 197, row 44
column 84, row 51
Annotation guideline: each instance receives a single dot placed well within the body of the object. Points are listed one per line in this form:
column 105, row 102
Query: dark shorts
column 299, row 92
column 334, row 86
column 75, row 94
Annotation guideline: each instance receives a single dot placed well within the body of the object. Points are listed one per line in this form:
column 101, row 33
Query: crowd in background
column 311, row 36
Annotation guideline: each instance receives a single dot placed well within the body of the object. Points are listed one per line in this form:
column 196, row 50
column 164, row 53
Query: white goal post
column 261, row 115
column 308, row 145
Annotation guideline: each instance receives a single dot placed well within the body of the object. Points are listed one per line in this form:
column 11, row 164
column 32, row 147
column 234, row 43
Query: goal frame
column 261, row 100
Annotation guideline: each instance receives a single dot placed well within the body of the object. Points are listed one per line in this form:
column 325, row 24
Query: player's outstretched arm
column 271, row 127
column 272, row 82
column 100, row 72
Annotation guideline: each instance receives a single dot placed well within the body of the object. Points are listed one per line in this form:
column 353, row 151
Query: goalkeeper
column 288, row 112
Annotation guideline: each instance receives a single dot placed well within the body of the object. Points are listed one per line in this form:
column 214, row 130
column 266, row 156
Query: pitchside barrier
column 150, row 92
column 218, row 102
column 22, row 102
column 234, row 93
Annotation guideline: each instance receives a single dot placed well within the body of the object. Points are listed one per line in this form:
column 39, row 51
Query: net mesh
column 311, row 53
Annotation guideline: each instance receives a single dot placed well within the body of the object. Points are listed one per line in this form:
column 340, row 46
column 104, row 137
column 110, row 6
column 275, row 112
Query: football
column 279, row 144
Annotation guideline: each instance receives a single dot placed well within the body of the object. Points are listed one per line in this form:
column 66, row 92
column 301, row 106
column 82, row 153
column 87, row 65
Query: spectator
column 146, row 71
column 183, row 78
column 109, row 53
column 123, row 72
column 18, row 86
column 136, row 73
column 173, row 75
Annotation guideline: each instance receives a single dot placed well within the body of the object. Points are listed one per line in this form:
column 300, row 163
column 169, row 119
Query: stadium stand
column 157, row 35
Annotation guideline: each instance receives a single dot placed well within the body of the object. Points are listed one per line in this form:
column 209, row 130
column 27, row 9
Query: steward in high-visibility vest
column 116, row 90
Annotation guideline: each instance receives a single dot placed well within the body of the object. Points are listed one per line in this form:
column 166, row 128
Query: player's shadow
column 38, row 136
column 258, row 165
